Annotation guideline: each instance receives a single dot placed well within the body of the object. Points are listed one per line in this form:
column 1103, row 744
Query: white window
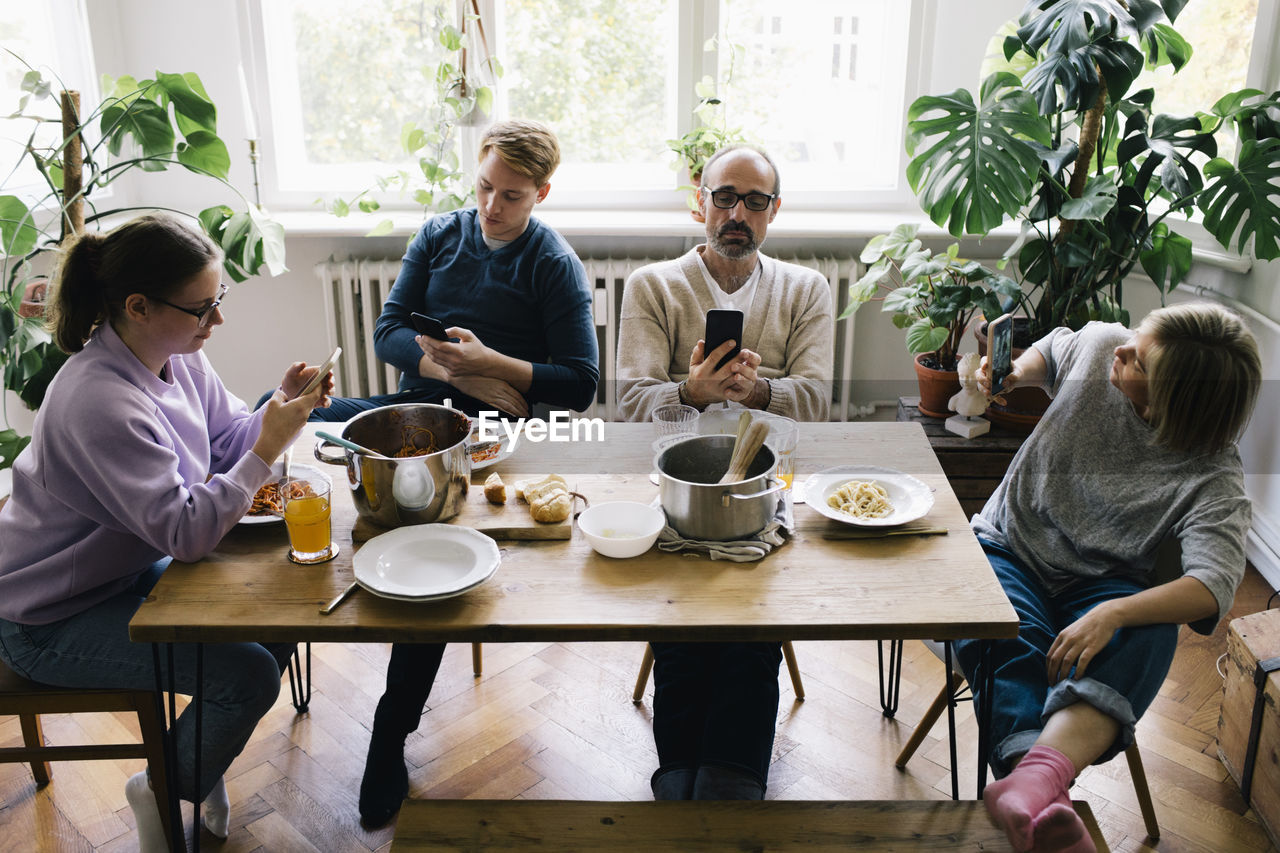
column 822, row 84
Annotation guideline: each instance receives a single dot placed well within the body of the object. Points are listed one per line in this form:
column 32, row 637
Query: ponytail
column 153, row 255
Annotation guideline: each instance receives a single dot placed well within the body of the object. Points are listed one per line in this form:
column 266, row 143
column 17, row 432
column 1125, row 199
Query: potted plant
column 711, row 130
column 439, row 183
column 932, row 296
column 1084, row 163
column 147, row 126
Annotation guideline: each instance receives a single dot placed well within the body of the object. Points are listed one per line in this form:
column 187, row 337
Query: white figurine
column 970, row 402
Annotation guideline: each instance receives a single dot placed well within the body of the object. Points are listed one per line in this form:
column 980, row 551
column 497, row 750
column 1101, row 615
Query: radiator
column 355, row 289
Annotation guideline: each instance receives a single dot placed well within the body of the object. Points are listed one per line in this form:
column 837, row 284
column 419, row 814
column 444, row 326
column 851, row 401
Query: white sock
column 146, row 814
column 216, row 813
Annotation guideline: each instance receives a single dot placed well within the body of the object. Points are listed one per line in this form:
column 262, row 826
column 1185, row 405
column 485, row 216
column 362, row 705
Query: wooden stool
column 816, row 826
column 28, row 700
column 646, row 666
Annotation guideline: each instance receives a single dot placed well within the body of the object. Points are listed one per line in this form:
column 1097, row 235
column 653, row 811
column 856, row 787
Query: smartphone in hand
column 429, row 326
column 325, row 370
column 723, row 324
column 1000, row 351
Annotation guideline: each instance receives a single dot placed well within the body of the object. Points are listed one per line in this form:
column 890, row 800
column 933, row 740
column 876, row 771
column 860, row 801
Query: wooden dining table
column 817, row 585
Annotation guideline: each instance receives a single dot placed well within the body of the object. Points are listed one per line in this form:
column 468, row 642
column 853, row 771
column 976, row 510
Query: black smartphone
column 429, row 326
column 1000, row 350
column 723, row 324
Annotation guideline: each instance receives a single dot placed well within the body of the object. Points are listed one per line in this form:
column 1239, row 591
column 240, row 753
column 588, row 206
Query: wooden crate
column 1250, row 639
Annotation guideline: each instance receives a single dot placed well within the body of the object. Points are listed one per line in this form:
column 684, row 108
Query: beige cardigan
column 789, row 324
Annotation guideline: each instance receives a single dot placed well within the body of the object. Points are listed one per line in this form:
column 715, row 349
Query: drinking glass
column 675, row 420
column 306, row 515
column 783, row 438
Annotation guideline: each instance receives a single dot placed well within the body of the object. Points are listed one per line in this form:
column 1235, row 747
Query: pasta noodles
column 862, row 499
column 269, row 500
column 409, row 443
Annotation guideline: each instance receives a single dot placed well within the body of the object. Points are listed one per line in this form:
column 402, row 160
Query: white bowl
column 621, row 528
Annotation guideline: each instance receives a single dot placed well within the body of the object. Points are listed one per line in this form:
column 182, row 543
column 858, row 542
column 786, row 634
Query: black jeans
column 715, row 703
column 410, row 674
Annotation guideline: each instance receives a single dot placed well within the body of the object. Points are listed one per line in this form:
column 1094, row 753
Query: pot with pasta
column 419, row 470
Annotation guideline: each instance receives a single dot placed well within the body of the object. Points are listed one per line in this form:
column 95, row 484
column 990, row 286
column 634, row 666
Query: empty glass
column 783, row 439
column 675, row 420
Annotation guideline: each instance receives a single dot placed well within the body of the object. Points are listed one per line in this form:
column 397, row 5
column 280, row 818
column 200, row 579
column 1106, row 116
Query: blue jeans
column 717, row 704
column 1121, row 681
column 92, row 649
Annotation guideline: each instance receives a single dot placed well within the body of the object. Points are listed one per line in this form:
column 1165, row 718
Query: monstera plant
column 1087, row 165
column 140, row 126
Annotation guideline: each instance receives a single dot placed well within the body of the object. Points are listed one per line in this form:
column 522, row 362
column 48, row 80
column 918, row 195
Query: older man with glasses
column 784, row 365
column 715, row 704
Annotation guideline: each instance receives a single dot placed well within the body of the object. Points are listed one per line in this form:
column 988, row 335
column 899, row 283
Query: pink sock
column 1058, row 829
column 1016, row 801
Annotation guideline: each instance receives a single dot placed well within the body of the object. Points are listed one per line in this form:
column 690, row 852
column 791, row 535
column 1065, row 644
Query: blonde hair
column 529, row 147
column 1203, row 376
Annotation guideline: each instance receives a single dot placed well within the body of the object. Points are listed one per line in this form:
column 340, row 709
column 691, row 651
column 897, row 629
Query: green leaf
column 484, row 100
column 1168, row 260
column 1098, row 199
column 11, row 444
column 17, row 231
column 923, row 336
column 904, row 300
column 1067, row 25
column 143, row 120
column 1239, row 201
column 979, row 168
column 383, row 228
column 191, row 105
column 1166, row 47
column 922, row 265
column 901, row 242
column 368, row 205
column 204, row 152
column 35, row 83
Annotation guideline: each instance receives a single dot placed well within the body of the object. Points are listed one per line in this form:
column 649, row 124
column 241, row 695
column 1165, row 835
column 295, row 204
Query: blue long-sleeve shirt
column 527, row 300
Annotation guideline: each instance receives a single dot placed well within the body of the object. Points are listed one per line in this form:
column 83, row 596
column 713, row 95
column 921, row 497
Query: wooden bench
column 814, row 826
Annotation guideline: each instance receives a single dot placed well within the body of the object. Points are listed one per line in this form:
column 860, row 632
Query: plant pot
column 1023, row 407
column 936, row 388
column 695, row 211
column 33, row 296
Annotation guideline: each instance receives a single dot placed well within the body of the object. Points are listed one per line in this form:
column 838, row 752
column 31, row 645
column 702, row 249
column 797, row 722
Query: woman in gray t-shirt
column 1137, row 447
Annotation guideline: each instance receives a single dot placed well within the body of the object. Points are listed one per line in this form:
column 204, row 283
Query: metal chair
column 646, row 666
column 951, row 691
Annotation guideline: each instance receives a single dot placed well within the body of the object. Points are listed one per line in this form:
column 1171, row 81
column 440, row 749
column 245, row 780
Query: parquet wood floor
column 557, row 721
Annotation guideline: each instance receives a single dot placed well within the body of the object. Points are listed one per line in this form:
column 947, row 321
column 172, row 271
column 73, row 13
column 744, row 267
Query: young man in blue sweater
column 515, row 297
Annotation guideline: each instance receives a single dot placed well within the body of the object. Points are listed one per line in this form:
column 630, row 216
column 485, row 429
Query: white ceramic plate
column 911, row 498
column 425, row 561
column 490, row 458
column 277, row 470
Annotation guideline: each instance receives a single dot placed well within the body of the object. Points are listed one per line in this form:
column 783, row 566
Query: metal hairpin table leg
column 891, row 686
column 177, row 837
column 300, row 682
column 951, row 721
column 198, row 699
column 986, row 702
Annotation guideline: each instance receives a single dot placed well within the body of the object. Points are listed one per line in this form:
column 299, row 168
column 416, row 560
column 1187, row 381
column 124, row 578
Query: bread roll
column 495, row 491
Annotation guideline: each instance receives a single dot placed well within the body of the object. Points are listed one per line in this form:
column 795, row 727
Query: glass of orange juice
column 306, row 515
column 783, row 438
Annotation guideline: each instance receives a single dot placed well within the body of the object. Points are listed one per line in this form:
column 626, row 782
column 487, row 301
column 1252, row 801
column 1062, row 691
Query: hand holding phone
column 429, row 326
column 1000, row 350
column 723, row 324
column 324, row 371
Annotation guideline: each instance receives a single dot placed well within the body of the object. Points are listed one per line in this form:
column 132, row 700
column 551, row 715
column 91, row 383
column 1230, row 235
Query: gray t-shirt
column 1089, row 495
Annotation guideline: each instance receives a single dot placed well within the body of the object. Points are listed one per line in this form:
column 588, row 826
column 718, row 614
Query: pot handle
column 326, row 458
column 778, row 485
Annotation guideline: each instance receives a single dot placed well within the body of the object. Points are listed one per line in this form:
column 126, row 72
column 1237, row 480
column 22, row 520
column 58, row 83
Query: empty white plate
column 910, row 497
column 425, row 561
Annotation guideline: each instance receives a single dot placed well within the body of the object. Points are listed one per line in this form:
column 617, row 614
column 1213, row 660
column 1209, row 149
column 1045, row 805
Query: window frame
column 697, row 21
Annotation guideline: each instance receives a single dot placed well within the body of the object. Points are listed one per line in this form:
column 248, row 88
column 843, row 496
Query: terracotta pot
column 33, row 296
column 1023, row 407
column 695, row 211
column 936, row 388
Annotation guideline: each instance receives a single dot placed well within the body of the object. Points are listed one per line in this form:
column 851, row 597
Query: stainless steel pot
column 415, row 490
column 698, row 507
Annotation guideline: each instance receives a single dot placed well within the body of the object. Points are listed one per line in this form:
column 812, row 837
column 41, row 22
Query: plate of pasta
column 266, row 508
column 867, row 495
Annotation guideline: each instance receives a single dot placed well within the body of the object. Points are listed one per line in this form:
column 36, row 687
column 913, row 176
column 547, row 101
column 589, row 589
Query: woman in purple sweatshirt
column 139, row 455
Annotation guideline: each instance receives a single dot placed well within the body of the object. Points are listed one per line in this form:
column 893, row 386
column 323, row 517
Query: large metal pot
column 698, row 507
column 414, row 490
